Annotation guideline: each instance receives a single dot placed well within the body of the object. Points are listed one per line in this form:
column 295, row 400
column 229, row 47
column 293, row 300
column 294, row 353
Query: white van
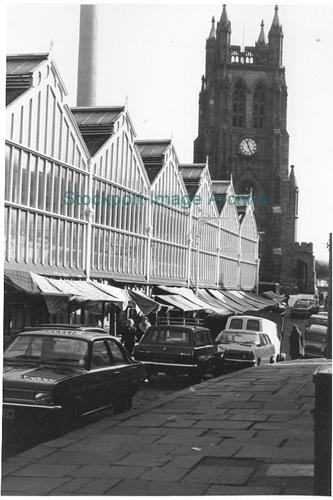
column 256, row 324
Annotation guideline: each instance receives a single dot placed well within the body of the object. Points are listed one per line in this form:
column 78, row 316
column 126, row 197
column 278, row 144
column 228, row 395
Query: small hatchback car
column 243, row 349
column 55, row 374
column 175, row 349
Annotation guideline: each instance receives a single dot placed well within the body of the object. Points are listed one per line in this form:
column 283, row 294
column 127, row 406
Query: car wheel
column 127, row 403
column 197, row 376
column 258, row 362
column 64, row 423
column 118, row 405
column 272, row 360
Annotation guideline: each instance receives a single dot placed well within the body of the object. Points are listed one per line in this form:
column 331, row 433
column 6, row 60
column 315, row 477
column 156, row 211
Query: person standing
column 296, row 344
column 143, row 326
column 129, row 335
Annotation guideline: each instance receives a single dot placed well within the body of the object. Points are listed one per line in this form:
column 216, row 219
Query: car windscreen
column 167, row 336
column 318, row 321
column 303, row 305
column 315, row 337
column 238, row 338
column 48, row 349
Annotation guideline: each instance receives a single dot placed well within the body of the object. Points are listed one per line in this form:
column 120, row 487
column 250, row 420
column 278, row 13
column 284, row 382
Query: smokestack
column 87, row 70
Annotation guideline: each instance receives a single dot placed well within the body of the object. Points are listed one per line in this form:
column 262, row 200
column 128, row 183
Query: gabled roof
column 219, row 190
column 19, row 73
column 191, row 174
column 24, row 64
column 96, row 124
column 22, row 74
column 96, row 120
column 152, row 153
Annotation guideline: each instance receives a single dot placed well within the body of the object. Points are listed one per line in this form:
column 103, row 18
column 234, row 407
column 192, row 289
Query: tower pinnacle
column 212, row 33
column 262, row 37
column 224, row 23
column 276, row 21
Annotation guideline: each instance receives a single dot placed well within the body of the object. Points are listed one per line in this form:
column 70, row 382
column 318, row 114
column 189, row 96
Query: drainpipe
column 189, row 249
column 149, row 230
column 90, row 212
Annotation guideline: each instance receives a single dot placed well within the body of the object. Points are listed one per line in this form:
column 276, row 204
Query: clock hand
column 248, row 145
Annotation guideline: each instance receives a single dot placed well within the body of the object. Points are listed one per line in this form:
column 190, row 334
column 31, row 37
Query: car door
column 204, row 350
column 265, row 348
column 127, row 374
column 103, row 376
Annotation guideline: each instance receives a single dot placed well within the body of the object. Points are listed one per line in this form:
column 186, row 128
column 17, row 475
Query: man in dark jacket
column 129, row 336
column 296, row 344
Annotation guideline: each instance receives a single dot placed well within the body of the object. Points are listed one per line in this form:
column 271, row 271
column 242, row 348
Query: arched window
column 238, row 105
column 259, row 99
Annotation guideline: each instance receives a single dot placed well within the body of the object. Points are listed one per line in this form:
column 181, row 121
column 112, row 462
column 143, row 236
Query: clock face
column 247, row 146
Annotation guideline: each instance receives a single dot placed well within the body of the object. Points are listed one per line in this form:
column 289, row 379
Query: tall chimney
column 87, row 70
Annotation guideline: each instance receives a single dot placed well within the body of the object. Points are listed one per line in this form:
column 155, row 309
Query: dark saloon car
column 55, row 374
column 304, row 308
column 242, row 349
column 315, row 337
column 178, row 349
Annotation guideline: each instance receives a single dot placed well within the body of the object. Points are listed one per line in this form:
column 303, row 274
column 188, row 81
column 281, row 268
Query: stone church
column 243, row 131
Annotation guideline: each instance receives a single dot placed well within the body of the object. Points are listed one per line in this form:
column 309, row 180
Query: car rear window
column 253, row 324
column 238, row 338
column 167, row 336
column 236, row 324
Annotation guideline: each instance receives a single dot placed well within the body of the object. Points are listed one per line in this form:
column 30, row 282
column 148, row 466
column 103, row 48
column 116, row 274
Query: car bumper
column 301, row 314
column 158, row 366
column 238, row 363
column 28, row 413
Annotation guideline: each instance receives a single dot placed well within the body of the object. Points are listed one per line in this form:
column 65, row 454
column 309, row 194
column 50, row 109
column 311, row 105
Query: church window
column 259, row 99
column 238, row 105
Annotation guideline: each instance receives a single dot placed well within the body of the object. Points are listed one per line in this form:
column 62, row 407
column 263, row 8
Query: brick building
column 243, row 130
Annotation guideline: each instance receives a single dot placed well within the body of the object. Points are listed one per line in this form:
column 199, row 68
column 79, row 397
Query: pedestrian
column 286, row 299
column 296, row 344
column 326, row 301
column 129, row 336
column 143, row 326
column 321, row 298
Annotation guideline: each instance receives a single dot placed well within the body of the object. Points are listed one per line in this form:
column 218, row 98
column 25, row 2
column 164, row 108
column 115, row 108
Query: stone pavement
column 245, row 433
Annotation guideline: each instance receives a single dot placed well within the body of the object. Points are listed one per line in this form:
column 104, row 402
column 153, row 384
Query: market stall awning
column 188, row 294
column 178, row 302
column 220, row 307
column 273, row 296
column 21, row 281
column 237, row 306
column 144, row 303
column 253, row 303
column 119, row 296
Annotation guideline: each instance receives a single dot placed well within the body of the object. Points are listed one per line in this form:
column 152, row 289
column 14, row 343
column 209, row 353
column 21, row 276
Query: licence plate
column 8, row 413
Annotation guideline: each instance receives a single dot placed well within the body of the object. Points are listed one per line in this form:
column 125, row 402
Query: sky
column 152, row 56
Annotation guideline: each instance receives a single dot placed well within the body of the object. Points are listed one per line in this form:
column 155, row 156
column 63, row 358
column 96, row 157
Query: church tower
column 242, row 130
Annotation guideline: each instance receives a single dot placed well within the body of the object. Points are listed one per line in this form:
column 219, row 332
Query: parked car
column 53, row 374
column 178, row 349
column 256, row 324
column 316, row 319
column 304, row 308
column 315, row 341
column 245, row 348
